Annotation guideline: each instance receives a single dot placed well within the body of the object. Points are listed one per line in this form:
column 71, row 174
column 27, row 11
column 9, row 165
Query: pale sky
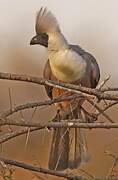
column 92, row 24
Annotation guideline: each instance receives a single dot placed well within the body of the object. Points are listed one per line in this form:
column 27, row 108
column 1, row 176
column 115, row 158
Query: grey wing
column 47, row 74
column 95, row 73
column 91, row 64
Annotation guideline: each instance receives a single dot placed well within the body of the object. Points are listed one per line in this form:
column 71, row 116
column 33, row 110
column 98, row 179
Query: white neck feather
column 66, row 64
column 57, row 42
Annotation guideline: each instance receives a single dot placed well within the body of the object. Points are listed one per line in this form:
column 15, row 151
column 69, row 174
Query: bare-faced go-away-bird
column 70, row 64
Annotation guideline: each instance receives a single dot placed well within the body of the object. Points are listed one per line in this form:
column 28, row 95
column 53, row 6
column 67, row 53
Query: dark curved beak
column 41, row 39
column 34, row 40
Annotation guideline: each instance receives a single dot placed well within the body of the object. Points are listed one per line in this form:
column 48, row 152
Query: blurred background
column 91, row 24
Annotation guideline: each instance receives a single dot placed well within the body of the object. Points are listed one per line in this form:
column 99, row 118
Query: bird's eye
column 35, row 39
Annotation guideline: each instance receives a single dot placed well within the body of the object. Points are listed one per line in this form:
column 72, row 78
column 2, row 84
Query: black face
column 41, row 39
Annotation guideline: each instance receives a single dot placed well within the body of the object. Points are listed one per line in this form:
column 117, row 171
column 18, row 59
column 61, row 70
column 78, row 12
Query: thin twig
column 109, row 89
column 107, row 107
column 6, row 137
column 10, row 104
column 100, row 86
column 100, row 110
column 28, row 132
column 113, row 165
column 89, row 174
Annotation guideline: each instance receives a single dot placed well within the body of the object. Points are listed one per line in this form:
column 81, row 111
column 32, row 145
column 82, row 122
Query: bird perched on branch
column 66, row 63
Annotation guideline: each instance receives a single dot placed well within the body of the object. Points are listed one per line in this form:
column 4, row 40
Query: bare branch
column 100, row 86
column 99, row 93
column 100, row 110
column 107, row 107
column 6, row 137
column 109, row 89
column 40, row 170
column 37, row 104
column 76, row 123
column 69, row 87
column 89, row 174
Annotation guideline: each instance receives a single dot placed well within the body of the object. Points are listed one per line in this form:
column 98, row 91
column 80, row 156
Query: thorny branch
column 76, row 123
column 59, row 99
column 6, row 137
column 68, row 176
column 108, row 94
column 50, row 102
column 37, row 104
column 41, row 170
column 69, row 87
column 100, row 110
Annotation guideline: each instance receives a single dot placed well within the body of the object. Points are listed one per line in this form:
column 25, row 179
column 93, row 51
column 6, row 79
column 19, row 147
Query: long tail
column 68, row 148
column 59, row 153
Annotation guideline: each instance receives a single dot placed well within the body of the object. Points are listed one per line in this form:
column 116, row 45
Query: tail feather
column 74, row 151
column 68, row 149
column 59, row 149
column 46, row 22
column 85, row 156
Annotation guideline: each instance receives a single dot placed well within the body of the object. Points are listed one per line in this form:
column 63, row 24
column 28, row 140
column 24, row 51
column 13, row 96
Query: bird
column 66, row 63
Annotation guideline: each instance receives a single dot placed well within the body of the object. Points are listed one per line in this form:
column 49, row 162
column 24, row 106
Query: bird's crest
column 46, row 22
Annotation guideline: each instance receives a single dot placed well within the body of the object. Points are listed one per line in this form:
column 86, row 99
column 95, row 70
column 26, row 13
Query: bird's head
column 40, row 38
column 45, row 25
